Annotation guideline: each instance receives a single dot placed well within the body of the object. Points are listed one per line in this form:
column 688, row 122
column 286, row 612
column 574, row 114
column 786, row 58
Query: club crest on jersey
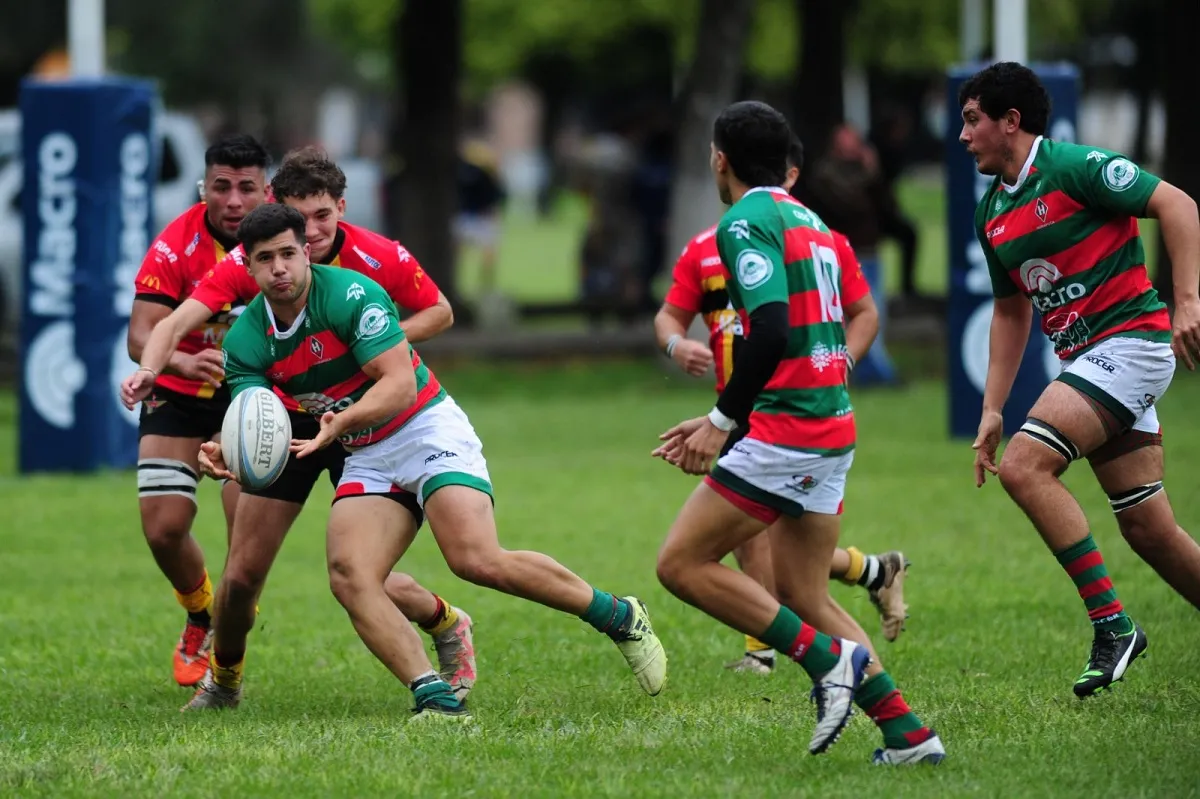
column 1040, row 210
column 753, row 269
column 355, row 292
column 1119, row 174
column 318, row 349
column 373, row 322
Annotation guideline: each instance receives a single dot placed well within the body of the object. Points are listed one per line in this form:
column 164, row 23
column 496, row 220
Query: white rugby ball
column 255, row 436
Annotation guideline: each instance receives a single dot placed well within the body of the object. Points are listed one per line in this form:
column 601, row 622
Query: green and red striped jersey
column 1067, row 236
column 777, row 250
column 347, row 321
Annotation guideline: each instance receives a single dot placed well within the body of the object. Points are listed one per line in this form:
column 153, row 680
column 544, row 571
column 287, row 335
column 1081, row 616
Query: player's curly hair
column 756, row 139
column 1009, row 85
column 308, row 171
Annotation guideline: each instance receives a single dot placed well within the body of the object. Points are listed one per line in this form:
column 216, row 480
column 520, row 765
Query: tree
column 711, row 83
column 817, row 105
column 1180, row 165
column 428, row 57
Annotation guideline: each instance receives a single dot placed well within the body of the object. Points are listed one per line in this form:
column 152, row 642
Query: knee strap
column 1124, row 500
column 163, row 477
column 1051, row 437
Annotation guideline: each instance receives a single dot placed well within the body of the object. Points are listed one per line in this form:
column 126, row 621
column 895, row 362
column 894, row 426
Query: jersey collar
column 283, row 335
column 772, row 189
column 1033, row 151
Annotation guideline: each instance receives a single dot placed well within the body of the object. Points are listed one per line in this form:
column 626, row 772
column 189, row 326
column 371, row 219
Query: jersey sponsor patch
column 1120, row 173
column 753, row 268
column 373, row 322
column 355, row 292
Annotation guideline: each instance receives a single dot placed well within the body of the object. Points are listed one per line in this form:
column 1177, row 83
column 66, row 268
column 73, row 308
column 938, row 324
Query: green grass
column 996, row 637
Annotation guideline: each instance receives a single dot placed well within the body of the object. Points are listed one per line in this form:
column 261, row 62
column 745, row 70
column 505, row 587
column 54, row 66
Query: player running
column 404, row 432
column 315, row 185
column 699, row 287
column 1059, row 227
column 187, row 404
column 789, row 471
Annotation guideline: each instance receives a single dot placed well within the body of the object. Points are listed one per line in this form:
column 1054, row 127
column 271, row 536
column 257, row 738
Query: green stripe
column 813, row 403
column 455, row 479
column 754, row 493
column 1090, row 576
column 1054, row 238
column 802, row 338
column 1123, row 414
column 323, row 376
column 1116, row 315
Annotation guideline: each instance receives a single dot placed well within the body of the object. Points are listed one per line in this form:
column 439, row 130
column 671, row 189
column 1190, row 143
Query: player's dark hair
column 1009, row 85
column 796, row 153
column 306, row 172
column 266, row 222
column 238, row 151
column 756, row 140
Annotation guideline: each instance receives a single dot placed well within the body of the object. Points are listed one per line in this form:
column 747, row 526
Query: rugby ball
column 255, row 436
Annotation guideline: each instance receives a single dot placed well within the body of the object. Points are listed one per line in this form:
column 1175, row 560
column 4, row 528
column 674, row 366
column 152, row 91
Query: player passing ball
column 375, row 397
column 1059, row 229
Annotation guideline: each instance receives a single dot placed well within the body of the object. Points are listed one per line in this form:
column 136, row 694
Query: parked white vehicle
column 182, row 165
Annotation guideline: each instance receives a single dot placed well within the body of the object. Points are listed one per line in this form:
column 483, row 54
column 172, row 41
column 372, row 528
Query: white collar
column 1024, row 169
column 773, row 189
column 283, row 335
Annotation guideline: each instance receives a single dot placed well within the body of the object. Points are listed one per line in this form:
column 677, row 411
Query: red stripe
column 891, row 706
column 1103, row 242
column 1104, row 584
column 350, row 490
column 304, row 357
column 754, row 510
column 1111, row 609
column 918, row 736
column 1024, row 220
column 803, row 642
column 347, row 387
column 423, row 398
column 1121, row 287
column 1156, row 321
column 1084, row 562
column 796, row 431
column 804, row 373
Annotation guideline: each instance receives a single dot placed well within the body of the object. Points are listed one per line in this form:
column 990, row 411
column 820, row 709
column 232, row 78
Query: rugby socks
column 197, row 602
column 608, row 614
column 1085, row 565
column 443, row 619
column 881, row 700
column 227, row 676
column 865, row 570
column 816, row 652
column 430, row 689
column 760, row 651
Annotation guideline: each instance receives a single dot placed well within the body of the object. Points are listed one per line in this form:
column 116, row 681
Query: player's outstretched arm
column 670, row 328
column 1180, row 225
column 159, row 348
column 395, row 389
column 1012, row 317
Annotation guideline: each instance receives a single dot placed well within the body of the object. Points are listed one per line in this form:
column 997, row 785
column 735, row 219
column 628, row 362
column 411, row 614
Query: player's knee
column 672, row 571
column 480, row 568
column 1145, row 527
column 167, row 494
column 348, row 580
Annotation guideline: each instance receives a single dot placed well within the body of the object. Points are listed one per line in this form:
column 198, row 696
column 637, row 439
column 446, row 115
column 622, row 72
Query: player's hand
column 207, row 366
column 692, row 357
column 670, row 450
column 325, row 436
column 137, row 387
column 991, row 428
column 1185, row 332
column 212, row 462
column 698, row 443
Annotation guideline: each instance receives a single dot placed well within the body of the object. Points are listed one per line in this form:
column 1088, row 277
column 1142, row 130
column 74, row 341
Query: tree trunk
column 711, row 84
column 1180, row 166
column 818, row 107
column 424, row 199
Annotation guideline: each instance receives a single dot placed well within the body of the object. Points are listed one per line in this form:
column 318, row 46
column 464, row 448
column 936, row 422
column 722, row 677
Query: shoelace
column 818, row 697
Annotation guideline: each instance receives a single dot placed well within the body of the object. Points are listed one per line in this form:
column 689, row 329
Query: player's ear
column 1012, row 120
column 341, row 207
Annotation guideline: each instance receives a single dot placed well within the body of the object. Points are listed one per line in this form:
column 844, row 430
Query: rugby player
column 1059, row 230
column 309, row 181
column 403, row 432
column 698, row 287
column 788, row 473
column 187, row 403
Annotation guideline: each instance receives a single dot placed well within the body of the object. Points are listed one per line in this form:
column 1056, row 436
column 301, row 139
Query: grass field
column 996, row 637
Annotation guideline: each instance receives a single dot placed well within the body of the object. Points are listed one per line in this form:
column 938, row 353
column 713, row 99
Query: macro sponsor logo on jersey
column 317, row 403
column 1040, row 280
